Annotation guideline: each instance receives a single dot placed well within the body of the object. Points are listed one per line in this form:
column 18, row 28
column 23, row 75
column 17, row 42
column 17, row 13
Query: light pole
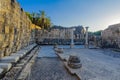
column 86, row 38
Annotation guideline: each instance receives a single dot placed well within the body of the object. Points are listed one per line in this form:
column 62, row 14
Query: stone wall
column 15, row 27
column 111, row 36
column 58, row 32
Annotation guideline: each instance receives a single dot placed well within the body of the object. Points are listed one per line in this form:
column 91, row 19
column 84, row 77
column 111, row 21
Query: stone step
column 9, row 59
column 5, row 66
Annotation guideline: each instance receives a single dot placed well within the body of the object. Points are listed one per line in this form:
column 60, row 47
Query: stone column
column 72, row 38
column 86, row 38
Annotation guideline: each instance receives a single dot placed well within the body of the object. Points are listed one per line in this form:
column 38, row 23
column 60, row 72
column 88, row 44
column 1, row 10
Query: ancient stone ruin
column 74, row 62
column 15, row 27
column 111, row 36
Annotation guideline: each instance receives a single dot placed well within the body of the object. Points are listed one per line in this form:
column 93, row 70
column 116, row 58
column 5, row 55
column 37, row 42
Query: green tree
column 29, row 15
column 44, row 21
column 40, row 19
column 97, row 33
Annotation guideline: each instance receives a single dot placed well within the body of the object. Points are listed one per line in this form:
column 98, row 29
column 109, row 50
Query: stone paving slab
column 95, row 65
column 5, row 66
column 72, row 71
column 47, row 51
column 50, row 69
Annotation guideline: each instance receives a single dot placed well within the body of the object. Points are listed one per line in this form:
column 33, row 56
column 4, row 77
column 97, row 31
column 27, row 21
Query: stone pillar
column 72, row 38
column 86, row 38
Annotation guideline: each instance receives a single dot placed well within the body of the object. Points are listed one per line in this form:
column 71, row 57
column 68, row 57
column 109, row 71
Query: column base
column 71, row 45
column 86, row 46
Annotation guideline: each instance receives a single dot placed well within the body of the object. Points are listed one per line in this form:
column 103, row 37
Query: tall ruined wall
column 111, row 36
column 15, row 27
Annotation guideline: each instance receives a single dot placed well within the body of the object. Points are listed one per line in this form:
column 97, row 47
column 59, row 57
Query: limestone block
column 6, row 37
column 1, row 53
column 9, row 59
column 5, row 44
column 19, row 55
column 14, row 49
column 15, row 28
column 7, row 51
column 6, row 29
column 2, row 37
column 1, row 70
column 22, row 52
column 5, row 66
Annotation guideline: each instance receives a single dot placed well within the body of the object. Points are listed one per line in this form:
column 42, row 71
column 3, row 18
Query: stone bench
column 17, row 55
column 9, row 59
column 24, row 52
column 1, row 70
column 5, row 66
column 29, row 47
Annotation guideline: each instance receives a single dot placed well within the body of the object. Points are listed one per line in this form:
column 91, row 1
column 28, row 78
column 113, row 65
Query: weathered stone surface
column 95, row 64
column 17, row 55
column 15, row 28
column 9, row 59
column 59, row 50
column 5, row 66
column 74, row 62
column 111, row 36
column 50, row 69
column 1, row 71
column 22, row 52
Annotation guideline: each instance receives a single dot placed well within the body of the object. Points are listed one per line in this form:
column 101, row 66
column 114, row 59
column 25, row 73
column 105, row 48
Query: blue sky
column 97, row 14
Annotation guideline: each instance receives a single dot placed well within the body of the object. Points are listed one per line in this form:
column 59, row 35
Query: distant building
column 60, row 34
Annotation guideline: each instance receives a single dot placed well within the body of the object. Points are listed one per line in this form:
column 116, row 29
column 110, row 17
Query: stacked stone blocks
column 15, row 27
column 111, row 35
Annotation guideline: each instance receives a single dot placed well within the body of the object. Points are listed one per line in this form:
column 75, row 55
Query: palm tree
column 48, row 23
column 40, row 19
column 44, row 21
column 33, row 17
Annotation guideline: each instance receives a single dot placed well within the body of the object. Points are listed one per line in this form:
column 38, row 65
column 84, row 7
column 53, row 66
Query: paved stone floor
column 49, row 67
column 96, row 64
column 47, row 51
